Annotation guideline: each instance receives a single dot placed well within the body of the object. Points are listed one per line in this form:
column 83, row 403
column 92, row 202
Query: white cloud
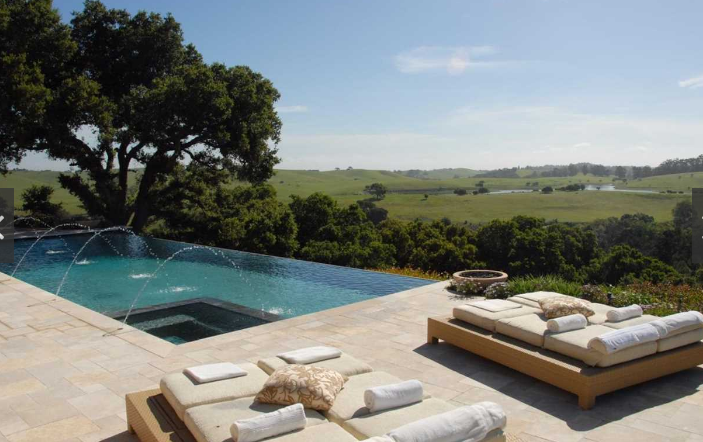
column 452, row 60
column 291, row 109
column 581, row 145
column 692, row 83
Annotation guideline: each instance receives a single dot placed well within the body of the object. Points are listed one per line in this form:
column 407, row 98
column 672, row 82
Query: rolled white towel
column 624, row 313
column 379, row 439
column 673, row 323
column 393, row 395
column 309, row 355
column 617, row 340
column 267, row 425
column 567, row 323
column 214, row 372
column 466, row 424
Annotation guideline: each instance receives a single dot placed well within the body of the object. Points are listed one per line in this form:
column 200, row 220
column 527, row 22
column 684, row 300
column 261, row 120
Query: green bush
column 549, row 283
column 467, row 287
column 625, row 264
column 498, row 290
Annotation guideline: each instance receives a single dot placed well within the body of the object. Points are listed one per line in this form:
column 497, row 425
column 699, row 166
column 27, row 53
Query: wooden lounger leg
column 130, row 429
column 431, row 339
column 587, row 401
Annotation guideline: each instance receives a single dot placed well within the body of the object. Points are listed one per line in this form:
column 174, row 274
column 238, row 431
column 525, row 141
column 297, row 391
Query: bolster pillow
column 393, row 395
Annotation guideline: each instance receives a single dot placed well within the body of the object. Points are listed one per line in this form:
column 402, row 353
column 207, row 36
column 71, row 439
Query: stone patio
column 64, row 370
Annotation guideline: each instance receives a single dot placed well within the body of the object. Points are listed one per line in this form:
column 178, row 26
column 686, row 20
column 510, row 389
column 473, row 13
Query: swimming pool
column 113, row 268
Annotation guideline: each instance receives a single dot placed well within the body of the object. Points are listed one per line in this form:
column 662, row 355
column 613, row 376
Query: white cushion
column 345, row 365
column 182, row 392
column 529, row 328
column 211, row 423
column 601, row 311
column 487, row 320
column 532, row 299
column 328, row 432
column 679, row 340
column 378, row 424
column 350, row 401
column 644, row 319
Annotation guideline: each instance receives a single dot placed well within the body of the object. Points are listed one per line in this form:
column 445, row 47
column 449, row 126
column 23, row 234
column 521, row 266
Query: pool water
column 113, row 268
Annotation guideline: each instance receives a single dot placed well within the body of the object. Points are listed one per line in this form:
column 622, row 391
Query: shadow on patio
column 653, row 400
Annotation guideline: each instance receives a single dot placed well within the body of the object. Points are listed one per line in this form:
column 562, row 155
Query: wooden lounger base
column 152, row 419
column 558, row 370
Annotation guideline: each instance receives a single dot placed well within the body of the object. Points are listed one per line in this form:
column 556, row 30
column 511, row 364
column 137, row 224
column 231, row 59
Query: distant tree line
column 672, row 166
column 194, row 208
column 684, row 165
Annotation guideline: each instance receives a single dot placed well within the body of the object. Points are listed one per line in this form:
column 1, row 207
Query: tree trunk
column 141, row 207
column 123, row 164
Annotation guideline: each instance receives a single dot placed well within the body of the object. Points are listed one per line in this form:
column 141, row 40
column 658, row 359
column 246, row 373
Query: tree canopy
column 378, row 190
column 144, row 98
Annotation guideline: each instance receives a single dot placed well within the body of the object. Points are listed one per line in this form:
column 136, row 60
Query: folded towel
column 623, row 313
column 267, row 425
column 616, row 340
column 309, row 355
column 467, row 424
column 379, row 439
column 495, row 305
column 567, row 323
column 675, row 323
column 393, row 396
column 214, row 372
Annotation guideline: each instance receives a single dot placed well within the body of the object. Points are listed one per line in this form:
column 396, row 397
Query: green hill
column 406, row 198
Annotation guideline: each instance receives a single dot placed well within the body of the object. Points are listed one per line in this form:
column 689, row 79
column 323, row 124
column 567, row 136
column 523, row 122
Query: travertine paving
column 64, row 370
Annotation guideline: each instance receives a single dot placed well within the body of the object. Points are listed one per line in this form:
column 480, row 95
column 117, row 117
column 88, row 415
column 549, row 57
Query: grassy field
column 562, row 206
column 406, row 198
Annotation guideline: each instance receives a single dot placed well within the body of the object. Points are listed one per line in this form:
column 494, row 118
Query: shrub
column 594, row 293
column 625, row 264
column 460, row 192
column 548, row 189
column 660, row 299
column 415, row 273
column 498, row 290
column 550, row 283
column 468, row 287
column 573, row 188
column 36, row 201
column 483, row 190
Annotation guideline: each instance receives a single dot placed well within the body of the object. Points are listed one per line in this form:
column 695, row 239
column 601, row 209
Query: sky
column 482, row 84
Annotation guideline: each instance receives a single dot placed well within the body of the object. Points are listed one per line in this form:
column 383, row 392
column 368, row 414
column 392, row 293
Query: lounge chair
column 152, row 418
column 565, row 360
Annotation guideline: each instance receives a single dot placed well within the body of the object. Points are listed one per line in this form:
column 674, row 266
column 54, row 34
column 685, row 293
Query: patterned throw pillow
column 559, row 306
column 314, row 387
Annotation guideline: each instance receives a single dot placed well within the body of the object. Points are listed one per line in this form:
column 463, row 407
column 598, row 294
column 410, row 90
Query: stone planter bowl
column 465, row 275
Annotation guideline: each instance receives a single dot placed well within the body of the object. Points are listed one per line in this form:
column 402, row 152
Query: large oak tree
column 150, row 101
